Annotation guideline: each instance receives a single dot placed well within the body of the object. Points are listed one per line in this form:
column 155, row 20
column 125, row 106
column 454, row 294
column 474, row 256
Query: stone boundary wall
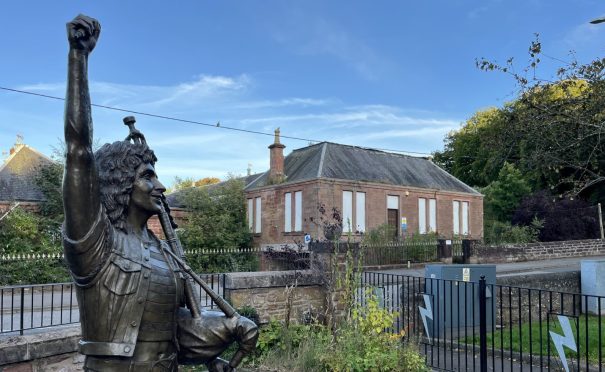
column 536, row 251
column 55, row 350
column 519, row 303
column 267, row 293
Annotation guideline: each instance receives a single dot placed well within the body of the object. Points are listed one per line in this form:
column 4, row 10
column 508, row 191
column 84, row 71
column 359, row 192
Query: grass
column 518, row 339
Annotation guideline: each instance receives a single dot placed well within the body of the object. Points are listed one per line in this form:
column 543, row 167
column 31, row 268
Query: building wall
column 329, row 192
column 5, row 206
column 178, row 214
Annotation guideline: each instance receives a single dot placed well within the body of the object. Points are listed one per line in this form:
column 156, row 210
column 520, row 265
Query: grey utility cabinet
column 453, row 292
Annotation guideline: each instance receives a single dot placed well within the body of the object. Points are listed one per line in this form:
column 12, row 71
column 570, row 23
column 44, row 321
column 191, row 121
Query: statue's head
column 117, row 164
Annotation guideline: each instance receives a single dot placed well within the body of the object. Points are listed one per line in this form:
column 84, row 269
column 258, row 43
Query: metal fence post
column 22, row 307
column 482, row 325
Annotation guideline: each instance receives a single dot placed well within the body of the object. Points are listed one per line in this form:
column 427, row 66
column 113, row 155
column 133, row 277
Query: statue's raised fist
column 83, row 33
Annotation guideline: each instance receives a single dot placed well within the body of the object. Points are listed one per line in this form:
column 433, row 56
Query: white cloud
column 357, row 116
column 301, row 102
column 583, row 35
column 188, row 150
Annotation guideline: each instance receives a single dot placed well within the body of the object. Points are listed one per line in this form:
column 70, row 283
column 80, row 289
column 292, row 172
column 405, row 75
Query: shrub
column 362, row 344
column 564, row 219
column 497, row 232
column 381, row 234
column 23, row 233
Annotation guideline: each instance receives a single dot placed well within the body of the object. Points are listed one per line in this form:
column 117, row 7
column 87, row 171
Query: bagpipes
column 178, row 254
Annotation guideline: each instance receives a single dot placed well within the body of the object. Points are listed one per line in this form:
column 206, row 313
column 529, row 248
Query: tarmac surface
column 515, row 268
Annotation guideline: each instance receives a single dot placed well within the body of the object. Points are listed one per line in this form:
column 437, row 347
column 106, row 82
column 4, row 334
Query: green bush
column 496, row 232
column 223, row 262
column 25, row 233
column 362, row 344
column 38, row 271
column 381, row 234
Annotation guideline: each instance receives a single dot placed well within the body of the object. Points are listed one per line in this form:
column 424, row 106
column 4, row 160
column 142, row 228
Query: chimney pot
column 12, row 150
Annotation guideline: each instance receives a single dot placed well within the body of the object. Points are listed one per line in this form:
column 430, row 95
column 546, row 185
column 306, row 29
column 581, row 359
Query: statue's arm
column 81, row 197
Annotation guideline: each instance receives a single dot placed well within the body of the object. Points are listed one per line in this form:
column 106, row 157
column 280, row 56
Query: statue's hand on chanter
column 83, row 33
column 219, row 365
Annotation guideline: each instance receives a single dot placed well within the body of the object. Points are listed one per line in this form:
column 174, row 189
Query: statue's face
column 146, row 191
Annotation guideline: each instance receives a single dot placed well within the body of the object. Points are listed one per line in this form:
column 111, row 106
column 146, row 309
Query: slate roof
column 17, row 175
column 352, row 163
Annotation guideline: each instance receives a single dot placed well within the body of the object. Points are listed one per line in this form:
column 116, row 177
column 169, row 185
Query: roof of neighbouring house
column 352, row 163
column 18, row 173
column 175, row 199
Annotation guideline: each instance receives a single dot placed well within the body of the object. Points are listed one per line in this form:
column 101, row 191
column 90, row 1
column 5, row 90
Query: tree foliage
column 217, row 220
column 564, row 219
column 504, row 194
column 552, row 133
column 23, row 232
column 188, row 182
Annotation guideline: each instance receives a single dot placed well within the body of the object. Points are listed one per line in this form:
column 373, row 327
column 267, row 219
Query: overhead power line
column 195, row 122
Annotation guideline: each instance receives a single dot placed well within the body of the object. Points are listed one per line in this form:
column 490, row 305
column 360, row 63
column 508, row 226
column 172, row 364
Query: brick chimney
column 276, row 151
column 12, row 150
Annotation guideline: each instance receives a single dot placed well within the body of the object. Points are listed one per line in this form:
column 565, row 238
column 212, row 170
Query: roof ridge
column 453, row 177
column 359, row 148
column 18, row 150
column 320, row 168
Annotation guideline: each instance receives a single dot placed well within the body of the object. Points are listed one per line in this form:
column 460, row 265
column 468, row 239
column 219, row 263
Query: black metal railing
column 28, row 307
column 24, row 307
column 398, row 253
column 463, row 325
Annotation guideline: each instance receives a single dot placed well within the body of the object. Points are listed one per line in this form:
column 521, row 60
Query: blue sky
column 384, row 74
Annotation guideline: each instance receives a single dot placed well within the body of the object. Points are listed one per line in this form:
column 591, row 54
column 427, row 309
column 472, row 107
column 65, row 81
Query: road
column 515, row 268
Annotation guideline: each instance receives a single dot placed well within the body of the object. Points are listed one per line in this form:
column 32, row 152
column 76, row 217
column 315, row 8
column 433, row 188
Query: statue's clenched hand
column 83, row 33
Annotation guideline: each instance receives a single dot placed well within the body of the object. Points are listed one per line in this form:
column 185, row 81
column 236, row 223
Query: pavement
column 514, row 268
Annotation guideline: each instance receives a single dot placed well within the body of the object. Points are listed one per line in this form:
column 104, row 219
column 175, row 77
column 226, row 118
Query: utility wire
column 217, row 125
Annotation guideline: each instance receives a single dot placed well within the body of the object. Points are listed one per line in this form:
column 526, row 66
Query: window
column 360, row 211
column 422, row 215
column 456, row 213
column 464, row 218
column 257, row 216
column 460, row 217
column 347, row 210
column 298, row 211
column 393, row 214
column 432, row 215
column 288, row 212
column 250, row 214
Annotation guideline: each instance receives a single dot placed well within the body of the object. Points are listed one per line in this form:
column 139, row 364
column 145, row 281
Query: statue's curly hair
column 117, row 164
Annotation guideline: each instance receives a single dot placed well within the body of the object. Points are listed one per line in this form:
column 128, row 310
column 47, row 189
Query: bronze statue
column 138, row 311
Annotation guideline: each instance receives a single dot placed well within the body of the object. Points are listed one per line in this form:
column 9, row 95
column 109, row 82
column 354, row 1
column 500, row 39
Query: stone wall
column 536, row 251
column 5, row 206
column 48, row 351
column 516, row 303
column 267, row 293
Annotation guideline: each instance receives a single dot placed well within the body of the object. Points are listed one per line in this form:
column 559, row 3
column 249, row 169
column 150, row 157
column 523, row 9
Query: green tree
column 503, row 195
column 217, row 220
column 556, row 124
column 476, row 152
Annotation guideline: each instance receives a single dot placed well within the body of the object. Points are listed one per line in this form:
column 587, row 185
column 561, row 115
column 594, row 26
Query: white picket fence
column 30, row 256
